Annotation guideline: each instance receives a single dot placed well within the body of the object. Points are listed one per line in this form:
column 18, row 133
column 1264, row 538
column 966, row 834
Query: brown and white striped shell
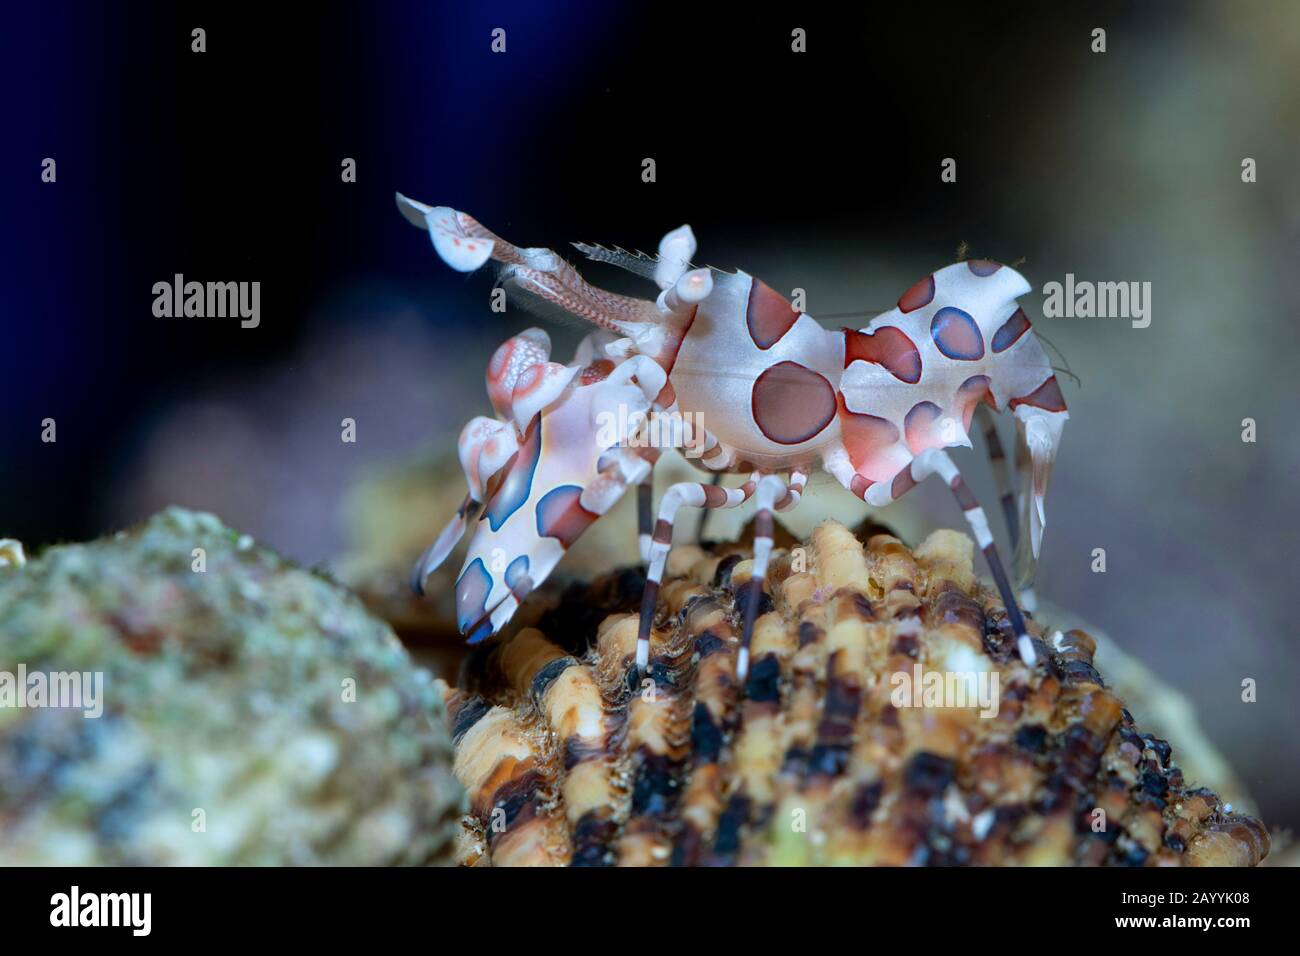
column 569, row 759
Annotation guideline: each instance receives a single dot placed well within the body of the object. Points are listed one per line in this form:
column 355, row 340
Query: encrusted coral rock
column 252, row 712
column 886, row 719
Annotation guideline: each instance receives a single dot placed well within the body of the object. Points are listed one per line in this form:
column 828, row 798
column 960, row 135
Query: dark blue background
column 225, row 165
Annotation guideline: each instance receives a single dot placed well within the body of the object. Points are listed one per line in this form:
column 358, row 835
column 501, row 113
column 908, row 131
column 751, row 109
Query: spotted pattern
column 983, row 267
column 518, row 483
column 791, row 403
column 957, row 335
column 918, row 297
column 1010, row 331
column 508, row 362
column 768, row 315
column 889, row 347
column 921, row 427
column 976, row 389
column 517, row 572
column 530, row 378
column 560, row 515
column 866, row 437
column 471, row 598
column 1046, row 396
column 597, row 371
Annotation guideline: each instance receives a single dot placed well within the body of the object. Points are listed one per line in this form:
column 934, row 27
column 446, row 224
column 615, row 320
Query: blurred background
column 818, row 170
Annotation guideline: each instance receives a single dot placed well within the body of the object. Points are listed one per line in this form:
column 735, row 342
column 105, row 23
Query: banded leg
column 686, row 493
column 645, row 515
column 1001, row 473
column 704, row 515
column 771, row 490
column 936, row 461
column 697, row 442
column 794, row 490
column 645, row 503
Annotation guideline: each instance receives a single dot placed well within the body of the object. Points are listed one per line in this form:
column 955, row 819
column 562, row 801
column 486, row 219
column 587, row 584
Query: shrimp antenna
column 1061, row 355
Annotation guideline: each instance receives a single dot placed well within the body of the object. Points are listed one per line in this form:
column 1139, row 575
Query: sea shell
column 821, row 758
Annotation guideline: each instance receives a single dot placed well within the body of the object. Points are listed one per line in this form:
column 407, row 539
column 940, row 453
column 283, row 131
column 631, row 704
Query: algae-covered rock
column 252, row 712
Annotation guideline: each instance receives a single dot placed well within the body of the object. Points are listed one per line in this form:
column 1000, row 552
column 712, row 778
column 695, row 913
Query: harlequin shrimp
column 764, row 390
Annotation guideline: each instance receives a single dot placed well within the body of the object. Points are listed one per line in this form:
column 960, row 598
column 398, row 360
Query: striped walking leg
column 704, row 515
column 692, row 494
column 645, row 515
column 645, row 504
column 793, row 491
column 936, row 461
column 1001, row 473
column 771, row 490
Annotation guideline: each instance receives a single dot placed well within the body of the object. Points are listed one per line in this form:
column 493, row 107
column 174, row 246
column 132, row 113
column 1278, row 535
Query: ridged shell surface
column 886, row 720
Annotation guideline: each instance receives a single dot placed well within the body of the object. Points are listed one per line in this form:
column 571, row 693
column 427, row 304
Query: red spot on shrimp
column 1046, row 396
column 920, row 427
column 920, row 295
column 560, row 515
column 791, row 403
column 1010, row 331
column 866, row 438
column 498, row 372
column 889, row 347
column 529, row 379
column 597, row 371
column 983, row 267
column 971, row 392
column 509, row 361
column 957, row 335
column 769, row 315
